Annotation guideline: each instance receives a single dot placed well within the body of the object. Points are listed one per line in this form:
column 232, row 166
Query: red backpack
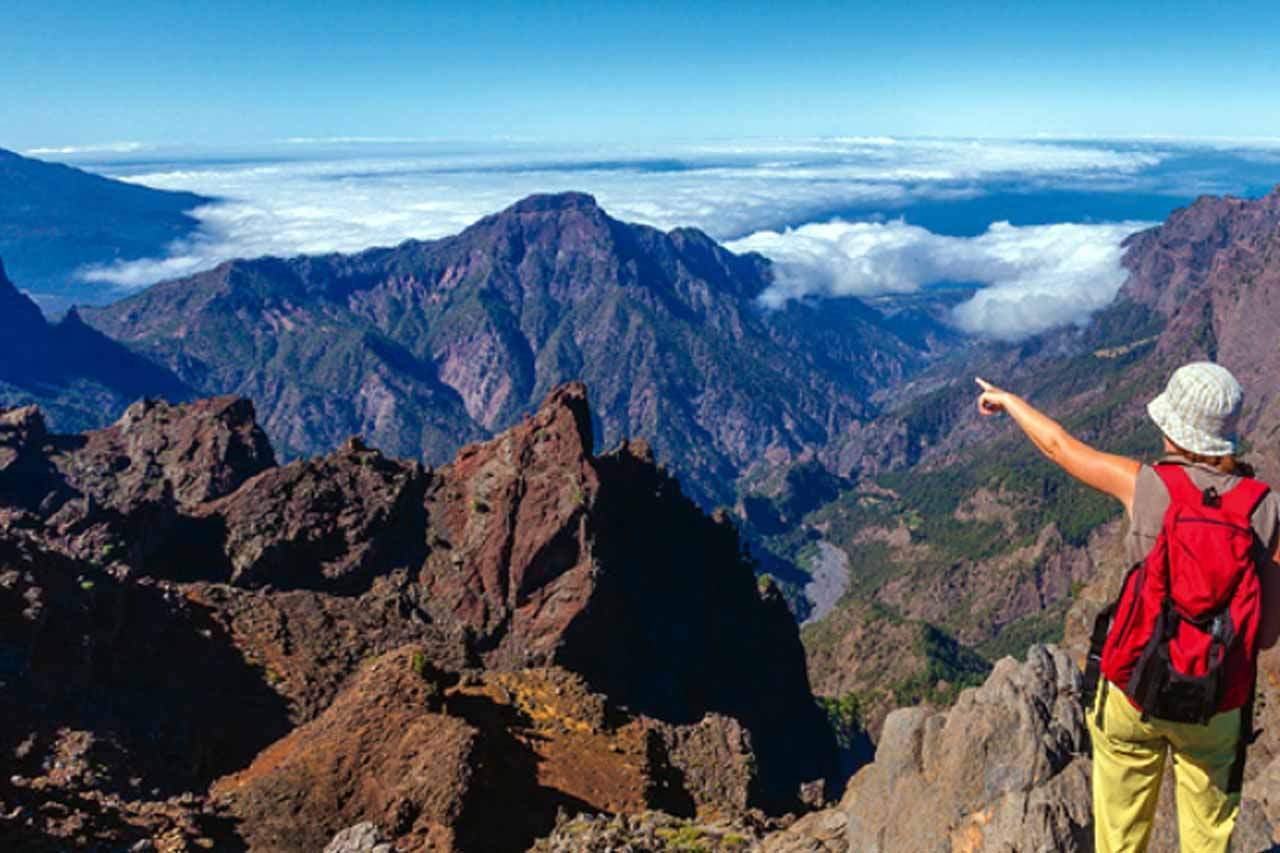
column 1181, row 640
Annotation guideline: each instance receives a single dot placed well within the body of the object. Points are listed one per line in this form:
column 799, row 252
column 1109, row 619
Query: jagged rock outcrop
column 551, row 555
column 118, row 492
column 1004, row 769
column 511, row 552
column 713, row 760
column 609, row 647
column 333, row 523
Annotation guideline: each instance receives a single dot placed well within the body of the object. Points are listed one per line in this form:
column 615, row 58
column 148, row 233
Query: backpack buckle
column 1210, row 497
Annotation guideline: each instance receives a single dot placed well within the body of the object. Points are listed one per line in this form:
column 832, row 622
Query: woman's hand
column 1114, row 475
column 992, row 399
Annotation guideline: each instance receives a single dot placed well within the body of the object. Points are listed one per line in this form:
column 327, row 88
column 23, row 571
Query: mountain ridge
column 468, row 332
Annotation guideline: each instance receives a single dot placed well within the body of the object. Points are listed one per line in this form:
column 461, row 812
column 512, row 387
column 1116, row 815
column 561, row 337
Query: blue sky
column 870, row 149
column 234, row 73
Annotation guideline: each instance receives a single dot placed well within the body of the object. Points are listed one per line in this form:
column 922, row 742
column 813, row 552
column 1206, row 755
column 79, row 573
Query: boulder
column 1003, row 769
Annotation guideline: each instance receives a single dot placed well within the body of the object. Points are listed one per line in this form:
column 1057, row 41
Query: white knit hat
column 1198, row 409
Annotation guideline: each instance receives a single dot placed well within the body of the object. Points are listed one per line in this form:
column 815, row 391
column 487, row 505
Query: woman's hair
column 1228, row 464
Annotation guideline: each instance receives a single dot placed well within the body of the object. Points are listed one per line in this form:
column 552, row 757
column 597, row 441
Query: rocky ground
column 1005, row 769
column 201, row 649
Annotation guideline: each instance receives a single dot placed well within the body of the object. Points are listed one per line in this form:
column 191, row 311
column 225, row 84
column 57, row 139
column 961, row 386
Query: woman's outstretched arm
column 1114, row 475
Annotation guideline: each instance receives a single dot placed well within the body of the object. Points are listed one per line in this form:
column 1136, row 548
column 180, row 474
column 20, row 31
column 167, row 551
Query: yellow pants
column 1128, row 763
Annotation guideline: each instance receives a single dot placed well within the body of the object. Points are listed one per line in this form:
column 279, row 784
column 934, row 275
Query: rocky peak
column 431, row 345
column 22, row 432
column 128, row 484
column 566, row 220
column 23, row 425
column 511, row 556
column 567, row 407
column 552, row 203
column 201, row 450
column 20, row 317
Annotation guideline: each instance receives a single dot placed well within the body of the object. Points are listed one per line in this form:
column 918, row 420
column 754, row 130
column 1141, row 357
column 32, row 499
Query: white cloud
column 350, row 140
column 1034, row 277
column 100, row 148
column 300, row 198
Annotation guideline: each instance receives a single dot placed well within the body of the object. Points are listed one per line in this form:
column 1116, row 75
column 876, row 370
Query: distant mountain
column 429, row 345
column 957, row 526
column 56, row 218
column 79, row 375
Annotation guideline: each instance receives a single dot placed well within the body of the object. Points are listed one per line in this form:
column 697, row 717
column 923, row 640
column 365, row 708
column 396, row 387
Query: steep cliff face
column 559, row 612
column 427, row 346
column 1213, row 271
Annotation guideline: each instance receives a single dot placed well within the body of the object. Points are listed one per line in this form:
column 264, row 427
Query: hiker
column 1174, row 658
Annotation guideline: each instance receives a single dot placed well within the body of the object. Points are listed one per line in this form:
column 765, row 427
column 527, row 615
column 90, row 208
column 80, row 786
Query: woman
column 1195, row 413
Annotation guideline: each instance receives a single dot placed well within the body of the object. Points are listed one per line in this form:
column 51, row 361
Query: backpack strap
column 1178, row 482
column 1243, row 498
column 1246, row 496
column 1235, row 781
column 1097, row 640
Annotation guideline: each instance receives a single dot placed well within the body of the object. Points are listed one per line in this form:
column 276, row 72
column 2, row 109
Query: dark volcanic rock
column 713, row 761
column 552, row 556
column 184, row 454
column 330, row 523
column 379, row 752
column 114, row 693
column 307, row 643
column 166, row 560
column 117, row 493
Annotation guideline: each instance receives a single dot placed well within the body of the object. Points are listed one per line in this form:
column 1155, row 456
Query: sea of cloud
column 1033, row 277
column 777, row 197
